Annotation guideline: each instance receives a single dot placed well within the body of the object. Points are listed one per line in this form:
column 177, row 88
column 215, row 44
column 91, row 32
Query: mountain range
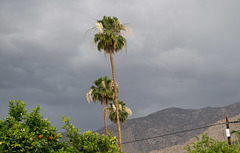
column 167, row 121
column 171, row 128
column 215, row 132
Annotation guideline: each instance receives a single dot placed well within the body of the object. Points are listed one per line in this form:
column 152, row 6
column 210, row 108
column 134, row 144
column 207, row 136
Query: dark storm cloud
column 183, row 54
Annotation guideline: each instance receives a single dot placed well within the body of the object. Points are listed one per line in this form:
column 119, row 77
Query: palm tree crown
column 124, row 112
column 109, row 38
column 102, row 91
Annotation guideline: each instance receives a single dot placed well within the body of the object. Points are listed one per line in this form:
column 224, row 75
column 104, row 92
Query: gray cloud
column 182, row 54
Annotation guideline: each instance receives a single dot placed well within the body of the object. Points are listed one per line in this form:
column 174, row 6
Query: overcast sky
column 184, row 53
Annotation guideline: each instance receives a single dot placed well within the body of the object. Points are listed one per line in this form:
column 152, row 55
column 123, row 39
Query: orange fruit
column 50, row 138
column 40, row 136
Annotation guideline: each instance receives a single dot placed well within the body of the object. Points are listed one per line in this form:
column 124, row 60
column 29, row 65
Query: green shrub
column 208, row 145
column 27, row 132
column 89, row 142
column 23, row 132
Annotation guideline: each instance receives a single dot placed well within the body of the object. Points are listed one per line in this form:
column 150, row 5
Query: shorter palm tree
column 124, row 112
column 103, row 91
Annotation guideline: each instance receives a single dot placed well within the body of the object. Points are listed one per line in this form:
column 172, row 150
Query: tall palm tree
column 124, row 112
column 109, row 39
column 103, row 92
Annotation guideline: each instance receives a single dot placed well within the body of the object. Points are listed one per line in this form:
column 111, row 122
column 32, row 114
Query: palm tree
column 110, row 40
column 103, row 92
column 124, row 112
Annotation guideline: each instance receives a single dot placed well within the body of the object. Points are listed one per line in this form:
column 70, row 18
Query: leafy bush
column 236, row 135
column 30, row 133
column 89, row 142
column 208, row 145
column 27, row 132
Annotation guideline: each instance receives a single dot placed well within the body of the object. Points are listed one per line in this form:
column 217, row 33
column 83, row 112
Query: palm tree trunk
column 116, row 101
column 105, row 116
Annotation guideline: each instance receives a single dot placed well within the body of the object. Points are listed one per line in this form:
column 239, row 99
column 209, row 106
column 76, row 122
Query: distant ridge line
column 179, row 132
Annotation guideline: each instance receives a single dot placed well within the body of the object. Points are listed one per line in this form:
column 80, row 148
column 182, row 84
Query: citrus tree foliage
column 17, row 110
column 27, row 132
column 208, row 145
column 24, row 132
column 89, row 142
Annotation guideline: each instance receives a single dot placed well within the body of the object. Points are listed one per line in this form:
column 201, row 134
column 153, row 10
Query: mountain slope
column 214, row 132
column 166, row 121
